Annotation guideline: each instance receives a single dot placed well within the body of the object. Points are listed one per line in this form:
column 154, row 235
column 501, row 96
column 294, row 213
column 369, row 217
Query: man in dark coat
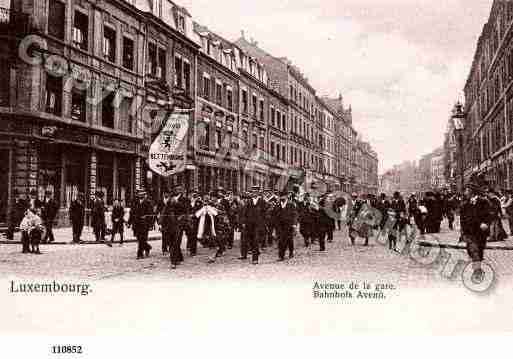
column 183, row 211
column 253, row 226
column 16, row 213
column 118, row 221
column 169, row 229
column 76, row 216
column 48, row 214
column 307, row 219
column 167, row 221
column 286, row 225
column 475, row 219
column 98, row 216
column 141, row 220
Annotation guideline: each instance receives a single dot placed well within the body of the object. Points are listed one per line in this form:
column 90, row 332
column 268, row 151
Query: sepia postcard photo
column 299, row 168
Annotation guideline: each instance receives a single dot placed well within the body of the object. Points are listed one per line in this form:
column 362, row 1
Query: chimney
column 242, row 34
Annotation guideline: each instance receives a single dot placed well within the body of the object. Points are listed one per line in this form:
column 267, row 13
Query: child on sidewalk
column 31, row 227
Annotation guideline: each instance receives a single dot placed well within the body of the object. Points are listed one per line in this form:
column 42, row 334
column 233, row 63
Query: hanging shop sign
column 168, row 151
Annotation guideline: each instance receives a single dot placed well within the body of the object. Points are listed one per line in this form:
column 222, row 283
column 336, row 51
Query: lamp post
column 458, row 118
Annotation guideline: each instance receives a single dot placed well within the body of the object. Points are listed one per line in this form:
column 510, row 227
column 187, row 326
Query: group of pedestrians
column 262, row 218
column 35, row 219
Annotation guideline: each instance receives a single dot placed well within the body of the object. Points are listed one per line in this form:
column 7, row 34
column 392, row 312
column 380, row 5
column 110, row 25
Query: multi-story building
column 438, row 169
column 488, row 132
column 451, row 162
column 304, row 117
column 72, row 108
column 343, row 138
column 217, row 113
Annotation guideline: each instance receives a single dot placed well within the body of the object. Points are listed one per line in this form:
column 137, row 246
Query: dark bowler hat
column 48, row 191
column 33, row 192
column 99, row 194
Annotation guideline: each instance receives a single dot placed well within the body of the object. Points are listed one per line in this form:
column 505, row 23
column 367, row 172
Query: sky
column 401, row 64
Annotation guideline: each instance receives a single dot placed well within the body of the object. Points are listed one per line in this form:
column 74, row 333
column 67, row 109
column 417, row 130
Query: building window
column 261, row 110
column 80, row 30
column 56, row 17
column 178, row 72
column 108, row 110
column 278, row 152
column 206, row 88
column 262, row 143
column 229, row 99
column 244, row 101
column 53, row 95
column 187, row 76
column 284, row 122
column 4, row 84
column 161, row 66
column 128, row 53
column 181, row 23
column 219, row 138
column 245, row 136
column 272, row 149
column 254, row 105
column 152, row 59
column 109, row 43
column 254, row 142
column 125, row 114
column 78, row 105
column 219, row 93
column 283, row 152
column 204, row 135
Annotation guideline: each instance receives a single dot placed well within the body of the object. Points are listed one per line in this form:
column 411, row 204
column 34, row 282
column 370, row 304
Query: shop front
column 64, row 161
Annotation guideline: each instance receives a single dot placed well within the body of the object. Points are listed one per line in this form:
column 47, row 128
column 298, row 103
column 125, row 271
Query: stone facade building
column 73, row 95
column 488, row 131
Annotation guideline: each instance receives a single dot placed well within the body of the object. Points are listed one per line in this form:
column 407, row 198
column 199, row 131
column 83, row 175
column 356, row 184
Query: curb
column 463, row 247
column 55, row 243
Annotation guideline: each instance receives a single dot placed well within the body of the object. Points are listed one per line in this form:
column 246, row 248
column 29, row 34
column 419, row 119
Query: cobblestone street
column 340, row 261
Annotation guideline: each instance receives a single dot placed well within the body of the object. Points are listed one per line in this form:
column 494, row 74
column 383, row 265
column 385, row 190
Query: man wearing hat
column 98, row 216
column 183, row 209
column 286, row 225
column 16, row 213
column 253, row 214
column 141, row 220
column 475, row 219
column 48, row 214
column 76, row 216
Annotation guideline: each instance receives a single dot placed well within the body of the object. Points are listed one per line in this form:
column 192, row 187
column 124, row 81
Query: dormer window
column 181, row 23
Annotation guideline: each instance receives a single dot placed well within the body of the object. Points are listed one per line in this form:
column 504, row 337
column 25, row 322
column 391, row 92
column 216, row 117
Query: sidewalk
column 450, row 239
column 64, row 236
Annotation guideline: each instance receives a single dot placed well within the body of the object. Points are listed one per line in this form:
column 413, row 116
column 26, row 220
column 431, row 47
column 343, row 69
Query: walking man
column 76, row 216
column 98, row 217
column 118, row 222
column 475, row 222
column 286, row 224
column 141, row 220
column 48, row 214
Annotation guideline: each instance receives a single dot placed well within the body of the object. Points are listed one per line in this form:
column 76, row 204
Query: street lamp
column 458, row 118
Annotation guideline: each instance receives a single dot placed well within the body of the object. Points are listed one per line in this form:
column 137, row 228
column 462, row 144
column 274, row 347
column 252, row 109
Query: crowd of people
column 264, row 218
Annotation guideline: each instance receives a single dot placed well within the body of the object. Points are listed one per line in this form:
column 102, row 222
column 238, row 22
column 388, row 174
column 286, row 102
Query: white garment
column 201, row 214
